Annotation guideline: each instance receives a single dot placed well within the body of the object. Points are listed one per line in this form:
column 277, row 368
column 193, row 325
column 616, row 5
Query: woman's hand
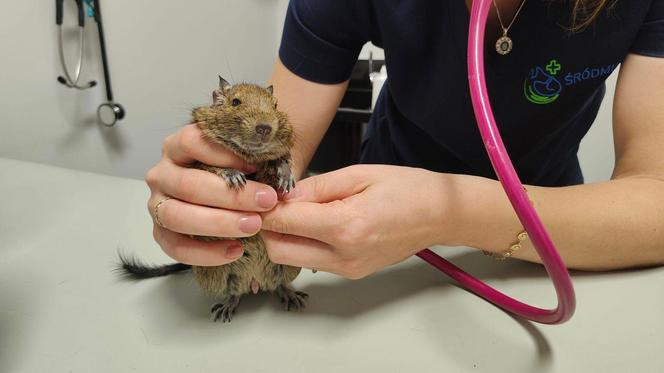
column 359, row 219
column 202, row 203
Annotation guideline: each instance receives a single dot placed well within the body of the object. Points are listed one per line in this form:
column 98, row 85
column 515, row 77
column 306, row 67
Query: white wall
column 164, row 58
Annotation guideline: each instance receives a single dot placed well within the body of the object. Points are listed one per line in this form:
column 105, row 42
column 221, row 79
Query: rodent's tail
column 134, row 269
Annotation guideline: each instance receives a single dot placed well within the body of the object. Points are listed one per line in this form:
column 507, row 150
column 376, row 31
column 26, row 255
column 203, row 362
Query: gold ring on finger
column 156, row 211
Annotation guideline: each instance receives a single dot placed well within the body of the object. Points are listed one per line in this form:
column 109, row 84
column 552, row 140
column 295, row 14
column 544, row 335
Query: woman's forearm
column 310, row 107
column 598, row 226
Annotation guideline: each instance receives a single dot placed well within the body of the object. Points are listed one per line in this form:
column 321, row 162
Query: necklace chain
column 504, row 44
column 500, row 19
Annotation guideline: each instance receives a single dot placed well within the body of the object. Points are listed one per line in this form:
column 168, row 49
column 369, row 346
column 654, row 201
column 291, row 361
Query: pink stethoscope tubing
column 513, row 188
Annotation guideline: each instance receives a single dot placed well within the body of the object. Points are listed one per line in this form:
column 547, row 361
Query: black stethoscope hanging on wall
column 108, row 112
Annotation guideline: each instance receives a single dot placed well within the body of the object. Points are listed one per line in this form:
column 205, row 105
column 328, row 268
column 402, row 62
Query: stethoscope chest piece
column 109, row 113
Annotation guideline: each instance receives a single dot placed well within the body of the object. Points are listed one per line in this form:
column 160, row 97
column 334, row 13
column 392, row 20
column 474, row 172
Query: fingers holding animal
column 332, row 185
column 229, row 190
column 189, row 145
column 199, row 191
column 299, row 251
column 325, row 222
column 187, row 250
column 307, row 253
column 182, row 217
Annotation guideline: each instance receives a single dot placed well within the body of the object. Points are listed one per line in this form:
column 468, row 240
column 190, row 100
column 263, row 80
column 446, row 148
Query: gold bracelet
column 514, row 246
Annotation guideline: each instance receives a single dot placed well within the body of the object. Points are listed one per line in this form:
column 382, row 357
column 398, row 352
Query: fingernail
column 266, row 198
column 234, row 251
column 250, row 223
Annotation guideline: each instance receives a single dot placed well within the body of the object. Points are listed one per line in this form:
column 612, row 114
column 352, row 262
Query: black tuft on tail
column 134, row 269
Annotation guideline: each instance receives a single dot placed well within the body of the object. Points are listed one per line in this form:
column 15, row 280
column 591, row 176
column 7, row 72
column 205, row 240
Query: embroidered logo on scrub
column 542, row 86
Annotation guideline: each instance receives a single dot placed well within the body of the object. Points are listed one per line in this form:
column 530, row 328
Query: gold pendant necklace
column 504, row 44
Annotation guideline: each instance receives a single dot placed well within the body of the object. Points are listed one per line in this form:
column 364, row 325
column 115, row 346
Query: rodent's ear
column 223, row 84
column 270, row 89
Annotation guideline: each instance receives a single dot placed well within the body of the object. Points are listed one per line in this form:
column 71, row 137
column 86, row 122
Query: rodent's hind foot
column 225, row 310
column 291, row 299
column 235, row 179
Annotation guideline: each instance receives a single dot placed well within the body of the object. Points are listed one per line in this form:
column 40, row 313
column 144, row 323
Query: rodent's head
column 244, row 118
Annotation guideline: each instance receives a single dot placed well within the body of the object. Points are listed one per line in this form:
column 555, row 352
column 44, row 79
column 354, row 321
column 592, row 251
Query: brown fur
column 254, row 264
column 235, row 127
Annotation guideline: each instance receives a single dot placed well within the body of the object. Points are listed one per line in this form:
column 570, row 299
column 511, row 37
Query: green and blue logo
column 541, row 87
column 545, row 84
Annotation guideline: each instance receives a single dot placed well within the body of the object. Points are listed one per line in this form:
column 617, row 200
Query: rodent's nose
column 263, row 129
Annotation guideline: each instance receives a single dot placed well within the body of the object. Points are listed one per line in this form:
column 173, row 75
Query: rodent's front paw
column 234, row 178
column 285, row 178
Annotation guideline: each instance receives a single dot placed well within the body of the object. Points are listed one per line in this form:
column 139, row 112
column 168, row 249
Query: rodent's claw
column 235, row 179
column 290, row 185
column 286, row 184
column 224, row 311
column 241, row 179
column 286, row 181
column 291, row 299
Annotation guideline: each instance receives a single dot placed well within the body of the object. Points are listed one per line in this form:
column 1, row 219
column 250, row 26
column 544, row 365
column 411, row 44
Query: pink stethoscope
column 507, row 175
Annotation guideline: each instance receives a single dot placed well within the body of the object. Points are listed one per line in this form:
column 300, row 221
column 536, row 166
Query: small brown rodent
column 245, row 119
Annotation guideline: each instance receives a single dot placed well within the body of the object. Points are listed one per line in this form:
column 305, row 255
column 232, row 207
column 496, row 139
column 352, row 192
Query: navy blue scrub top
column 545, row 94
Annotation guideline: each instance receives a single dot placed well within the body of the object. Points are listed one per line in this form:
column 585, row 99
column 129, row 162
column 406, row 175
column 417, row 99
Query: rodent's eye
column 236, row 102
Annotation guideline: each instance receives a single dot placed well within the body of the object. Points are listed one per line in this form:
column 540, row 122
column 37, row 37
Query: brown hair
column 584, row 12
